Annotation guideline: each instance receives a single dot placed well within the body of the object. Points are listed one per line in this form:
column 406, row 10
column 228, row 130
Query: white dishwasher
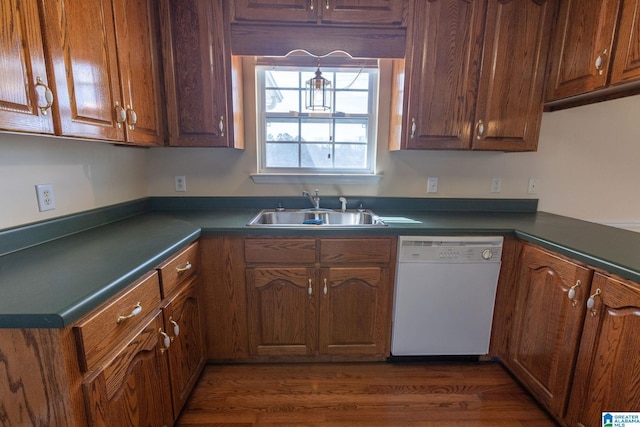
column 444, row 296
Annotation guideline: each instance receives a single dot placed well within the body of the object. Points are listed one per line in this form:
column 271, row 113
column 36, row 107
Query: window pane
column 281, row 79
column 282, row 130
column 351, row 131
column 282, row 101
column 352, row 102
column 316, row 156
column 316, row 130
column 350, row 156
column 281, row 155
column 352, row 80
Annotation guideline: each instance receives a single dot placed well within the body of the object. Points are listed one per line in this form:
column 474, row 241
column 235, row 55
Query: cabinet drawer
column 289, row 251
column 347, row 251
column 102, row 328
column 178, row 268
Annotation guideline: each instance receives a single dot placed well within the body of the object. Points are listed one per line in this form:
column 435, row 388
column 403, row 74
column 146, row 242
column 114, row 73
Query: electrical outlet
column 533, row 186
column 181, row 183
column 432, row 184
column 46, row 200
column 496, row 184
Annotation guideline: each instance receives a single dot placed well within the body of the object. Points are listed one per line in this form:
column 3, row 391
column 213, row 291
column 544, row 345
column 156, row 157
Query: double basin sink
column 316, row 218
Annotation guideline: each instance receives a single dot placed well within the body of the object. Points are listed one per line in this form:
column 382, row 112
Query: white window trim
column 321, row 176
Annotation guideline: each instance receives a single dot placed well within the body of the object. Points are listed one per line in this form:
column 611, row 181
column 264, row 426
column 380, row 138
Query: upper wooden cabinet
column 106, row 69
column 596, row 52
column 582, row 47
column 24, row 89
column 202, row 79
column 346, row 12
column 473, row 77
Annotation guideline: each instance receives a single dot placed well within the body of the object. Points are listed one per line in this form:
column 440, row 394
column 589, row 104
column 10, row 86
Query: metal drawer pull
column 480, row 130
column 600, row 60
column 186, row 267
column 166, row 340
column 221, row 125
column 591, row 302
column 136, row 310
column 48, row 96
column 327, row 5
column 121, row 115
column 572, row 293
column 413, row 128
column 176, row 328
column 325, row 286
column 132, row 117
column 311, row 4
column 310, row 290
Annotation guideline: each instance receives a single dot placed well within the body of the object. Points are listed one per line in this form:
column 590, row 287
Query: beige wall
column 84, row 174
column 585, row 166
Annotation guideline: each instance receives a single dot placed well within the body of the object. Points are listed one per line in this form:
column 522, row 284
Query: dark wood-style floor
column 435, row 394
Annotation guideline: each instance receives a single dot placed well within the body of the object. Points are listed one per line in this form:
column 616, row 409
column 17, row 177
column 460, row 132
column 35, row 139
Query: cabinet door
column 372, row 12
column 547, row 325
column 282, row 311
column 512, row 78
column 607, row 376
column 81, row 41
column 582, row 47
column 131, row 389
column 136, row 26
column 354, row 314
column 186, row 355
column 441, row 67
column 23, row 63
column 276, row 10
column 626, row 57
column 198, row 74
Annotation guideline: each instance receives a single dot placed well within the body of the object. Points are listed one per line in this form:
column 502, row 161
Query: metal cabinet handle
column 600, row 61
column 176, row 328
column 136, row 310
column 166, row 340
column 132, row 117
column 221, row 125
column 121, row 115
column 325, row 287
column 310, row 290
column 326, row 5
column 186, row 267
column 413, row 128
column 591, row 302
column 311, row 4
column 48, row 96
column 480, row 130
column 572, row 293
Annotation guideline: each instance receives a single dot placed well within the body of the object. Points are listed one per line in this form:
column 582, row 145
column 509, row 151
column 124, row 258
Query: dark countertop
column 50, row 285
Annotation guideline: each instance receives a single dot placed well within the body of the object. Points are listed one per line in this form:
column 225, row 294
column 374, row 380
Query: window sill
column 314, row 179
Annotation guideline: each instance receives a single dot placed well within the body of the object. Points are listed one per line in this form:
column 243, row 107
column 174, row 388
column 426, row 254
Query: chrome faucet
column 315, row 200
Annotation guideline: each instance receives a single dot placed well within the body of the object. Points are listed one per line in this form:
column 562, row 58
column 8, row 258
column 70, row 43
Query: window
column 294, row 140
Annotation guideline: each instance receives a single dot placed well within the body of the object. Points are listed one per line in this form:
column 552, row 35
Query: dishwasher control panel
column 450, row 249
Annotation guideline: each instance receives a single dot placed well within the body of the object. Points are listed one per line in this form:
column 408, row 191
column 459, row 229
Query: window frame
column 304, row 66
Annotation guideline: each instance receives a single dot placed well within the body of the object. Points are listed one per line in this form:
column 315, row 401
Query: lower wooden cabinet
column 298, row 298
column 547, row 324
column 607, row 377
column 132, row 361
column 132, row 388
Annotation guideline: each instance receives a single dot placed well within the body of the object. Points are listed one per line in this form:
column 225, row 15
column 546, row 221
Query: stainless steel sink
column 316, row 218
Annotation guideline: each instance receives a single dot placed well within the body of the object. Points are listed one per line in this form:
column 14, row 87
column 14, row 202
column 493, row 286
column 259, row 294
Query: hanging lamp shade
column 318, row 93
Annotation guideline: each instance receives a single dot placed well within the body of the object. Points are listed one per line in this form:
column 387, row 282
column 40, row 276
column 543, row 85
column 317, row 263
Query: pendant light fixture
column 318, row 93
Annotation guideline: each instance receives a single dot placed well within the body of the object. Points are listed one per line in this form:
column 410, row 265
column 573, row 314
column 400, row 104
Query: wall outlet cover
column 46, row 199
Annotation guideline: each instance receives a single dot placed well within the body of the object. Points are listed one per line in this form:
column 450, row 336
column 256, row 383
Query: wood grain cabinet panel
column 547, row 325
column 607, row 376
column 24, row 74
column 337, row 305
column 626, row 57
column 202, row 79
column 103, row 55
column 345, row 12
column 473, row 77
column 582, row 47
